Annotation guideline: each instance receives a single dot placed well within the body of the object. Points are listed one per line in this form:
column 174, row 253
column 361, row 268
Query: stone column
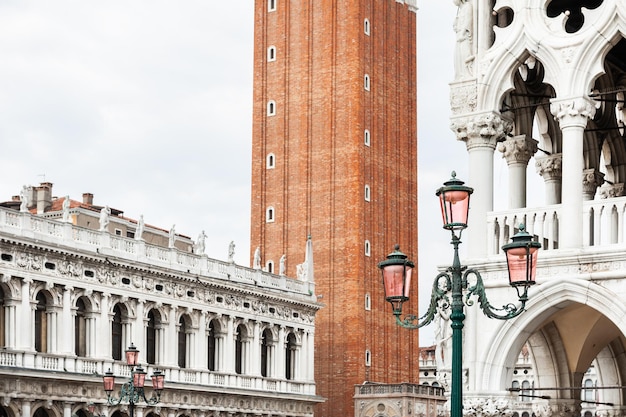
column 200, row 360
column 104, row 327
column 138, row 331
column 26, row 408
column 480, row 132
column 280, row 355
column 517, row 151
column 549, row 167
column 26, row 319
column 66, row 335
column 255, row 351
column 592, row 180
column 572, row 114
column 228, row 351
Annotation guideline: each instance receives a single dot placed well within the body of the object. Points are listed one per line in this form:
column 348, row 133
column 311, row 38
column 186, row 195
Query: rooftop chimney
column 88, row 199
column 44, row 197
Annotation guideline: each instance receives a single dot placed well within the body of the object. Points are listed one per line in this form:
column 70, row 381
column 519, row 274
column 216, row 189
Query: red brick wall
column 322, row 166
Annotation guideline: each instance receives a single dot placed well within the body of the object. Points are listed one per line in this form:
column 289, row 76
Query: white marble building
column 543, row 82
column 232, row 341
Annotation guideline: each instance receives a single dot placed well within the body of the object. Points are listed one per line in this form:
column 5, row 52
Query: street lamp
column 133, row 390
column 453, row 288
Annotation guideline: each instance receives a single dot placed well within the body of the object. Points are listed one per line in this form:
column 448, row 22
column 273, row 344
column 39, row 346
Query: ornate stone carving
column 612, row 190
column 574, row 111
column 550, row 167
column 518, row 149
column 592, row 179
column 481, row 130
column 463, row 97
column 486, row 407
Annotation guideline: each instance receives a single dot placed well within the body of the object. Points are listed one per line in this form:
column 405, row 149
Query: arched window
column 525, row 388
column 116, row 334
column 41, row 412
column 240, row 349
column 269, row 215
column 368, row 249
column 271, row 53
column 271, row 108
column 366, row 82
column 212, row 346
column 266, row 353
column 270, row 161
column 269, row 267
column 290, row 357
column 366, row 137
column 589, row 392
column 80, row 329
column 153, row 331
column 366, row 26
column 367, row 192
column 41, row 324
column 182, row 343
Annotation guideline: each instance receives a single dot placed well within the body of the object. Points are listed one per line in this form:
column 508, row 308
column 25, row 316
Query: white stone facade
column 546, row 80
column 231, row 340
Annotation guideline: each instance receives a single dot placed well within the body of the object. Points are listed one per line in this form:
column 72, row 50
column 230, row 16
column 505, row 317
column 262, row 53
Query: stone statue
column 442, row 335
column 282, row 267
column 231, row 252
column 66, row 209
column 463, row 27
column 200, row 243
column 140, row 227
column 257, row 258
column 172, row 236
column 24, row 199
column 105, row 213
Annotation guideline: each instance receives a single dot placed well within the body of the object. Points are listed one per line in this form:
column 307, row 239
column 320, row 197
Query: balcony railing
column 603, row 224
column 203, row 377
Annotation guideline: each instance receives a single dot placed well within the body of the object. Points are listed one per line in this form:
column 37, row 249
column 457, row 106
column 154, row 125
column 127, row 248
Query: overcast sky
column 148, row 105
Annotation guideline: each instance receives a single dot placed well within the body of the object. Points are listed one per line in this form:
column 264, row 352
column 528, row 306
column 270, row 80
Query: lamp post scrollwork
column 459, row 286
column 133, row 391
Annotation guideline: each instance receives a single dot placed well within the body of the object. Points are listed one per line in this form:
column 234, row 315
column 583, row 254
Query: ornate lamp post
column 133, row 390
column 457, row 286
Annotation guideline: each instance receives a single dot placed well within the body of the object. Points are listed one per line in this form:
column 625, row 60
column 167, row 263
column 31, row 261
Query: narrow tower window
column 368, row 302
column 367, row 192
column 269, row 267
column 366, row 137
column 271, row 53
column 271, row 5
column 269, row 215
column 368, row 358
column 271, row 108
column 368, row 249
column 366, row 82
column 270, row 161
column 366, row 26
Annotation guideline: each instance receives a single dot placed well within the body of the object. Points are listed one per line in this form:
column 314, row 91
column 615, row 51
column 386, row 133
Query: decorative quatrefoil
column 572, row 9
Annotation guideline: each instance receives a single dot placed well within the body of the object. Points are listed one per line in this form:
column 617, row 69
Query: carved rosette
column 518, row 149
column 483, row 130
column 486, row 407
column 573, row 112
column 550, row 167
column 592, row 179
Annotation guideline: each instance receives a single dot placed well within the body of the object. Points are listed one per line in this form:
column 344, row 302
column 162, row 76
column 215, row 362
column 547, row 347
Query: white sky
column 148, row 105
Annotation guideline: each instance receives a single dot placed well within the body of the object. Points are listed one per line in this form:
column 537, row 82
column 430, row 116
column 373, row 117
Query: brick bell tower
column 335, row 157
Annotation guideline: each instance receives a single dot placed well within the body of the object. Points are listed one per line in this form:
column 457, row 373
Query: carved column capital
column 592, row 179
column 612, row 190
column 550, row 166
column 481, row 130
column 574, row 111
column 518, row 149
